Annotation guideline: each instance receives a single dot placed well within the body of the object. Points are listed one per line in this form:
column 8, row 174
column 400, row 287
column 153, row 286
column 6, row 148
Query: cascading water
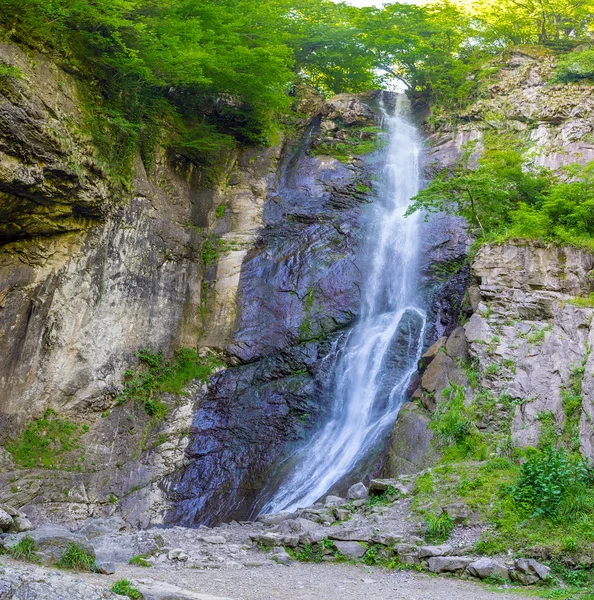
column 367, row 389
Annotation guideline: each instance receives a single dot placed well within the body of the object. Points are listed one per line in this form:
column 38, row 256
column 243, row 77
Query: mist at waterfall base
column 367, row 384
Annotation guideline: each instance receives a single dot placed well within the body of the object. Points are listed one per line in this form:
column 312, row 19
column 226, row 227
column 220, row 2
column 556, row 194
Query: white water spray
column 367, row 396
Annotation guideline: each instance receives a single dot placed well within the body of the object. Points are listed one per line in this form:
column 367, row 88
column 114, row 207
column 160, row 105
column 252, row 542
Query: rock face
column 556, row 120
column 530, row 340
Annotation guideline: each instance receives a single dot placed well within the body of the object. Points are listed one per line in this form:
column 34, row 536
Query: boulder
column 529, row 565
column 487, row 567
column 105, row 568
column 342, row 514
column 282, row 557
column 50, row 542
column 351, row 550
column 429, row 551
column 275, row 519
column 267, row 539
column 458, row 511
column 358, row 491
column 361, row 534
column 177, row 554
column 5, row 520
column 449, row 564
column 332, row 501
column 92, row 528
column 20, row 523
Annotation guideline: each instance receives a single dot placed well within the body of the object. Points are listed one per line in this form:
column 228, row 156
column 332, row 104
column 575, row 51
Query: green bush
column 552, row 483
column 438, row 527
column 23, row 550
column 75, row 557
column 575, row 67
column 45, row 442
column 157, row 375
column 125, row 588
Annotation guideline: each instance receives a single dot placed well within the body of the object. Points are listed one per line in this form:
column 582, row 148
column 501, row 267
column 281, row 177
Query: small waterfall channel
column 367, row 388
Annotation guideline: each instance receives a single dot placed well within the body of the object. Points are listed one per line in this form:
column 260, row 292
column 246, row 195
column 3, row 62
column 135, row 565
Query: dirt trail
column 315, row 582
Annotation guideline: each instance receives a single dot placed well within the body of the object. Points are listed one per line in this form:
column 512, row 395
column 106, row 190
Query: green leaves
column 506, row 196
column 547, row 479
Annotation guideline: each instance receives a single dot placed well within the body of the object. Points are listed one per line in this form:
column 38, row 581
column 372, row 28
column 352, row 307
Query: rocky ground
column 273, row 557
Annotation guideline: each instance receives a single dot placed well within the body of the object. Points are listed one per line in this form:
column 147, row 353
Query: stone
column 410, row 449
column 530, row 566
column 487, row 567
column 50, row 542
column 92, row 528
column 448, row 564
column 409, row 559
column 360, row 534
column 177, row 554
column 432, row 351
column 333, row 501
column 274, row 519
column 386, row 539
column 429, row 551
column 5, row 520
column 351, row 550
column 214, row 539
column 267, row 539
column 457, row 511
column 21, row 523
column 342, row 514
column 282, row 557
column 358, row 491
column 456, row 346
column 378, row 486
column 161, row 590
column 105, row 568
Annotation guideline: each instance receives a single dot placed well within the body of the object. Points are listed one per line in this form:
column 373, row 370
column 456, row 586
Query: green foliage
column 140, row 561
column 549, row 483
column 46, row 443
column 505, row 197
column 157, row 375
column 576, row 67
column 8, row 71
column 23, row 550
column 451, row 422
column 438, row 527
column 386, row 497
column 125, row 588
column 75, row 557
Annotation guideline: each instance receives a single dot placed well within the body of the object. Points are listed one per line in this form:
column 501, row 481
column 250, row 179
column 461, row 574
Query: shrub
column 157, row 375
column 23, row 550
column 552, row 482
column 439, row 527
column 451, row 421
column 576, row 66
column 125, row 588
column 77, row 558
column 44, row 442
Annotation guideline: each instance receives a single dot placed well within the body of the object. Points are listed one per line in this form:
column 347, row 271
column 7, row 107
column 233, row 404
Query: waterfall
column 367, row 388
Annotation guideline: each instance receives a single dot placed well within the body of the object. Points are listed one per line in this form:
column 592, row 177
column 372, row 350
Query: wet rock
column 448, row 564
column 358, row 491
column 487, row 567
column 410, row 449
column 351, row 550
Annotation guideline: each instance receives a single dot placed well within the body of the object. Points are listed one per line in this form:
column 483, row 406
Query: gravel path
column 314, row 582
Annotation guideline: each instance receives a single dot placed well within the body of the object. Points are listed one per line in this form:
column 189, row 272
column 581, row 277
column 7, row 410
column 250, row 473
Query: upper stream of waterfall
column 367, row 388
